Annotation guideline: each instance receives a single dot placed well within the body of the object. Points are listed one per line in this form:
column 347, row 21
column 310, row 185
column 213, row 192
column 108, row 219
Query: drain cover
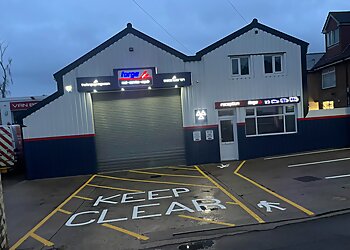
column 197, row 245
column 307, row 178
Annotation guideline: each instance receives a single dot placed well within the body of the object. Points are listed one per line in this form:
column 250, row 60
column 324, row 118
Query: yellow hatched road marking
column 207, row 220
column 249, row 211
column 42, row 240
column 183, row 168
column 136, row 235
column 114, row 188
column 31, row 232
column 173, row 175
column 231, row 203
column 157, row 182
column 64, row 211
column 308, row 212
column 83, row 198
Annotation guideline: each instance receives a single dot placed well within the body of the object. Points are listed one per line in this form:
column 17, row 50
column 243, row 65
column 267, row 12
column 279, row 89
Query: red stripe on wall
column 5, row 131
column 204, row 126
column 59, row 137
column 240, row 123
column 323, row 117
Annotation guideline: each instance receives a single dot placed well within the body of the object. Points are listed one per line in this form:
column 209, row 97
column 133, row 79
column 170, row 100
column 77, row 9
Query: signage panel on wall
column 17, row 106
column 200, row 116
column 130, row 78
column 134, row 79
column 257, row 102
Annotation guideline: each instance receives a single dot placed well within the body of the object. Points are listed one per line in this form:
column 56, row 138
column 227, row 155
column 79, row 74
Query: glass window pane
column 244, row 66
column 267, row 125
column 278, row 63
column 336, row 36
column 226, row 129
column 249, row 112
column 289, row 109
column 328, row 80
column 226, row 112
column 250, row 128
column 269, row 110
column 235, row 66
column 290, row 123
column 268, row 64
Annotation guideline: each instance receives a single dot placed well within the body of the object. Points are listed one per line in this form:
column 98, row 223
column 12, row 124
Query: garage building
column 135, row 102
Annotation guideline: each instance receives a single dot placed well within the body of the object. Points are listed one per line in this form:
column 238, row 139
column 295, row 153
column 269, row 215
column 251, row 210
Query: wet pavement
column 146, row 208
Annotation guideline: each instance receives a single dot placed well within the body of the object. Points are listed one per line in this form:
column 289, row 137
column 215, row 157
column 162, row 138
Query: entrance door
column 228, row 138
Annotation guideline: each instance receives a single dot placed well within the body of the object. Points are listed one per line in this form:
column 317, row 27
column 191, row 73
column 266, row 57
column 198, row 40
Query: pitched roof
column 312, row 59
column 130, row 30
column 327, row 60
column 341, row 17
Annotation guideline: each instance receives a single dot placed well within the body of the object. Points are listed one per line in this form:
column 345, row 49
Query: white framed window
column 332, row 37
column 273, row 64
column 270, row 120
column 328, row 78
column 240, row 66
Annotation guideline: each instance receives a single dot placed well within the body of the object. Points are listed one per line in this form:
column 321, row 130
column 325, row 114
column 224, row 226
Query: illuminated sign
column 135, row 77
column 261, row 102
column 200, row 116
column 16, row 106
column 132, row 79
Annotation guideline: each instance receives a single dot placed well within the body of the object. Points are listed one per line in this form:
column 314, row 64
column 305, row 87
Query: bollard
column 3, row 229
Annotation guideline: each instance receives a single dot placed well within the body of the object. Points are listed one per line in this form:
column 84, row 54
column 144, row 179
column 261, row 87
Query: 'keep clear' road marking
column 317, row 162
column 337, row 176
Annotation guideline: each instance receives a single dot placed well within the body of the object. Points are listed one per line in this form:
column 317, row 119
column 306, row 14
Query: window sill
column 284, row 133
column 240, row 77
column 331, row 87
column 269, row 75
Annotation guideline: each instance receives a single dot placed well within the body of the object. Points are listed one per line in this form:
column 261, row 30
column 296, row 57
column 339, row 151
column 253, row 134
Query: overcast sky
column 45, row 36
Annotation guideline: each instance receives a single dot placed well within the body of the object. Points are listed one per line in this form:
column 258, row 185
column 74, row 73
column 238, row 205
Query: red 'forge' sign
column 16, row 106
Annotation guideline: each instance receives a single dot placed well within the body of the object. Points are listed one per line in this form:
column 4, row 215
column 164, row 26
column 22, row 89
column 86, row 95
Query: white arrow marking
column 269, row 205
column 224, row 165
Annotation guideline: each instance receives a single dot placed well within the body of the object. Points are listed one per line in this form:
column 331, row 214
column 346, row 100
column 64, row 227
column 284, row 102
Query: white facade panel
column 71, row 114
column 215, row 81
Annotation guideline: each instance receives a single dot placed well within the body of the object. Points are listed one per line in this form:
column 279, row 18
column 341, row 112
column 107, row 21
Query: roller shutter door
column 138, row 129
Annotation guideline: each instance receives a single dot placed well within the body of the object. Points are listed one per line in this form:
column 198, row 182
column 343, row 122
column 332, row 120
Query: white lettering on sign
column 95, row 84
column 174, row 79
column 136, row 212
column 141, row 211
column 229, row 104
column 135, row 82
column 128, row 198
column 69, row 223
column 105, row 200
column 152, row 195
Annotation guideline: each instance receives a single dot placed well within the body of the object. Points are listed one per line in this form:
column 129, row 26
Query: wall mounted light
column 149, row 87
column 69, row 88
column 122, row 89
column 95, row 91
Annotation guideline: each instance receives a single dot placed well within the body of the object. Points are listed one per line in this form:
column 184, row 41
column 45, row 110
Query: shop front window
column 270, row 120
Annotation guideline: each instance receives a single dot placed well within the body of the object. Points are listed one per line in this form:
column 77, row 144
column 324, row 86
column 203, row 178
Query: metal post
column 3, row 228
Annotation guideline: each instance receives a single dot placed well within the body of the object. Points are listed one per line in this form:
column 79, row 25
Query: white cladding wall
column 215, row 82
column 71, row 114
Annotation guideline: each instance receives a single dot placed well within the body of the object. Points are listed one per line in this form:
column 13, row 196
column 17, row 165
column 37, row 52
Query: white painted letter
column 178, row 191
column 152, row 195
column 136, row 212
column 105, row 200
column 103, row 216
column 216, row 203
column 71, row 219
column 126, row 199
column 182, row 208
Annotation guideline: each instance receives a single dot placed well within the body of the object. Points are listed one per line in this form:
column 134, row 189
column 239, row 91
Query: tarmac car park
column 148, row 208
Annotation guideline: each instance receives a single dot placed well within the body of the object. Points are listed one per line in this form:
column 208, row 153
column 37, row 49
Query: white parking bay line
column 317, row 162
column 306, row 153
column 337, row 176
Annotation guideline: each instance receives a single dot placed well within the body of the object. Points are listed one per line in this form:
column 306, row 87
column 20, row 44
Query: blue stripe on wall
column 60, row 157
column 312, row 135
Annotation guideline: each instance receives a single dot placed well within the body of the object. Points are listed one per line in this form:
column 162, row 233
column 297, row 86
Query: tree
column 6, row 75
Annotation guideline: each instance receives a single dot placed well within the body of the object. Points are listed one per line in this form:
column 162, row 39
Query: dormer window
column 332, row 37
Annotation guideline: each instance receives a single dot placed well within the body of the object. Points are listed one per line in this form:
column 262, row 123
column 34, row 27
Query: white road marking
column 317, row 162
column 337, row 176
column 306, row 153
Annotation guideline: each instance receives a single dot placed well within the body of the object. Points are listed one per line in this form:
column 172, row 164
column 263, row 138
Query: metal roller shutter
column 138, row 129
